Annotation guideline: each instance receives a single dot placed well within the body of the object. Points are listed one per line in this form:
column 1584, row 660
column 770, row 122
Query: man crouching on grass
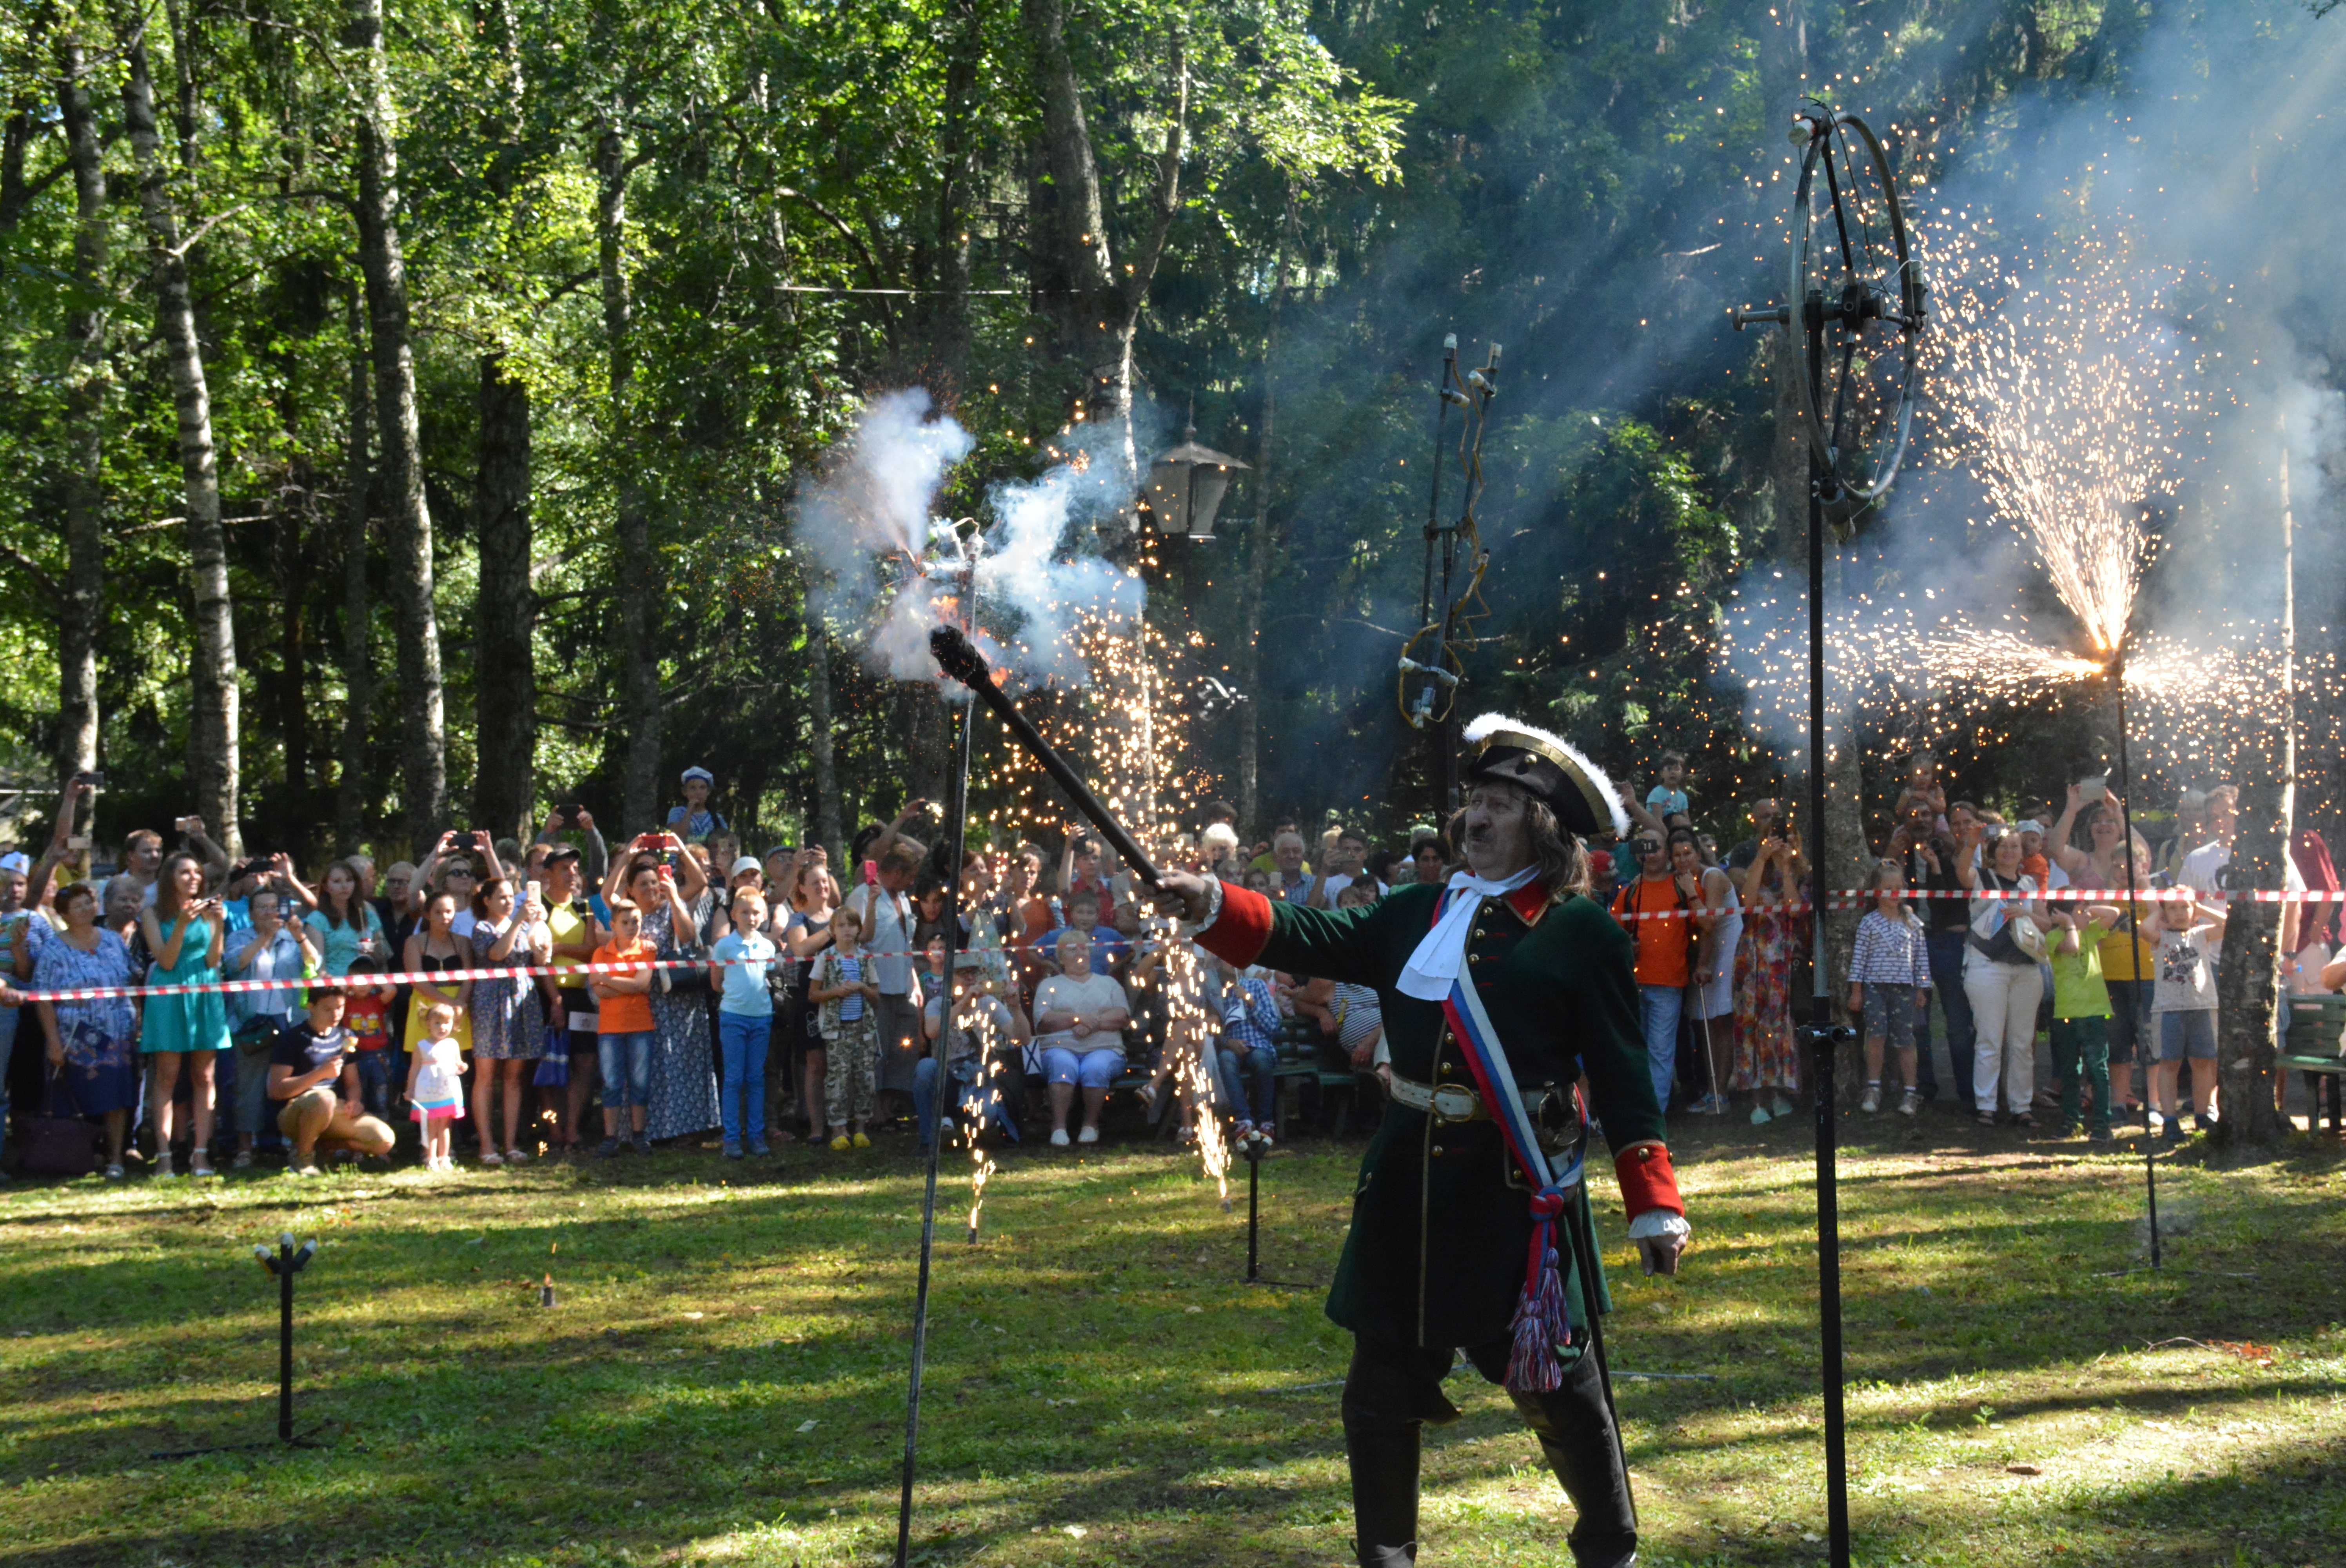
column 313, row 1074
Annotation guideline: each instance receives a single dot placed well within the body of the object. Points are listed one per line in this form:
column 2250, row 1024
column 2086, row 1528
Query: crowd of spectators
column 758, row 1000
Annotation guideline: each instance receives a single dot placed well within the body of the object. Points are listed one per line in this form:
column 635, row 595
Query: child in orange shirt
column 623, row 1022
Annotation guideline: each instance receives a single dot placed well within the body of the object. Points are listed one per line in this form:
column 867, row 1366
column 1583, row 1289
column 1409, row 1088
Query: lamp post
column 1186, row 486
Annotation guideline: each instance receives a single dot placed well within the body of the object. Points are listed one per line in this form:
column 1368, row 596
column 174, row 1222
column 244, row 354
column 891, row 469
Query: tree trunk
column 639, row 585
column 1073, row 276
column 504, row 669
column 504, row 673
column 83, row 603
column 213, row 732
column 358, row 607
column 293, row 578
column 423, row 719
column 1247, row 668
column 821, row 739
column 2247, row 977
column 1073, row 279
column 944, row 269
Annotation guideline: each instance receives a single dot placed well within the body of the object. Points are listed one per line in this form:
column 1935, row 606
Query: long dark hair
column 167, row 903
column 1561, row 859
column 354, row 912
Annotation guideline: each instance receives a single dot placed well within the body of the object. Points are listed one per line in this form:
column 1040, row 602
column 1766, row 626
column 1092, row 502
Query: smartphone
column 536, row 891
column 183, row 824
column 2094, row 789
column 95, row 780
column 871, row 872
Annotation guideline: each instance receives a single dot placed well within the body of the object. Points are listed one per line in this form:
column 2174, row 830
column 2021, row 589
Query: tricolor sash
column 1542, row 1321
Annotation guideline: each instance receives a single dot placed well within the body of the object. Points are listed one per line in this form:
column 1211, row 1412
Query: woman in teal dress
column 183, row 931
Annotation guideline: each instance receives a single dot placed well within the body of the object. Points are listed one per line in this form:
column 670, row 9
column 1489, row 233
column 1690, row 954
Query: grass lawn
column 722, row 1378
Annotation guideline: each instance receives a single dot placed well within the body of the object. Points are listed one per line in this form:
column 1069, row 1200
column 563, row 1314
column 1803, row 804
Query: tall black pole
column 1823, row 1036
column 940, row 1096
column 2125, row 816
column 1254, row 1208
column 1445, row 748
column 285, row 1340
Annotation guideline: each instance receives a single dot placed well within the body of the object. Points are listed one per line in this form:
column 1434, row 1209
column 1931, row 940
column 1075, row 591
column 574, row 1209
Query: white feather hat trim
column 1587, row 776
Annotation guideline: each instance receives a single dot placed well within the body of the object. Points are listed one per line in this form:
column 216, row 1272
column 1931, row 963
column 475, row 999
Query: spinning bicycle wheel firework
column 1857, row 302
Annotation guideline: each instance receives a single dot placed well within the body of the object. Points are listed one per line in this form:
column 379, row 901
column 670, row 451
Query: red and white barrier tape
column 1845, row 899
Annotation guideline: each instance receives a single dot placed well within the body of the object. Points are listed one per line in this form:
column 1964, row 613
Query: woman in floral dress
column 684, row 1066
column 1766, row 1064
column 93, row 1045
column 508, row 1023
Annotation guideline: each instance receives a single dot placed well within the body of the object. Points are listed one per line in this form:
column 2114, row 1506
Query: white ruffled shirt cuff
column 1659, row 1222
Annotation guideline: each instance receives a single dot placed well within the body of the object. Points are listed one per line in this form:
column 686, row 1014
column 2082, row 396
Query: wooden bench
column 2311, row 1045
column 1306, row 1056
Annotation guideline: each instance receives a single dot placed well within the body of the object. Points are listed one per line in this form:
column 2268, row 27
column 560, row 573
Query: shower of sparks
column 1173, row 966
column 1128, row 727
column 2195, row 705
column 2063, row 387
column 2064, row 384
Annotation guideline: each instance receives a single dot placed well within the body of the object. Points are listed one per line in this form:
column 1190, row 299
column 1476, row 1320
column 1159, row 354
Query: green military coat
column 1440, row 1217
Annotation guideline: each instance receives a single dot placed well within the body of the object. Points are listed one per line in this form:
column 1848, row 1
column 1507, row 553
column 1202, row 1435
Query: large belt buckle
column 1456, row 1103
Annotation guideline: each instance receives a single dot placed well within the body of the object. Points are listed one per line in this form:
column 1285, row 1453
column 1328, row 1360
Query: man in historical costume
column 1499, row 992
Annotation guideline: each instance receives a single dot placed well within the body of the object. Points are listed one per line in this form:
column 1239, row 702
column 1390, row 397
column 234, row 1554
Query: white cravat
column 1433, row 966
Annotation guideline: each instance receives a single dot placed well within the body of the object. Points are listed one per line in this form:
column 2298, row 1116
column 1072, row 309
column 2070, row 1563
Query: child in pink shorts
column 436, row 1083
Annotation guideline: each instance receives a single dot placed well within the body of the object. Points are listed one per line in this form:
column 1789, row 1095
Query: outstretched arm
column 1351, row 944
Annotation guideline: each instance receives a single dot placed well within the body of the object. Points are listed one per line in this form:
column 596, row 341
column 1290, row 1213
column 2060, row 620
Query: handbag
column 553, row 1071
column 51, row 1144
column 2018, row 942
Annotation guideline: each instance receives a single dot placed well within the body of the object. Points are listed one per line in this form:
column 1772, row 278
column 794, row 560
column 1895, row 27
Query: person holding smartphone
column 313, row 1078
column 186, row 1032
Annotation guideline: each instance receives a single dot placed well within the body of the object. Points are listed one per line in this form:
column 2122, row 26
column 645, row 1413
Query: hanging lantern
column 1186, row 486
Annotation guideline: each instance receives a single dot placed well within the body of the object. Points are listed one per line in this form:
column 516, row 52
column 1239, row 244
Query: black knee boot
column 1576, row 1433
column 1383, row 1457
column 1390, row 1391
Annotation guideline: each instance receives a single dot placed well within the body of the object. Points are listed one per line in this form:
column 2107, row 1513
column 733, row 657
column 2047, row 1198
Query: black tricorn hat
column 1510, row 752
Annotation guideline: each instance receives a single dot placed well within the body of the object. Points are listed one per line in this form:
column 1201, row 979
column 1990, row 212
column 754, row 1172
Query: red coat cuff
column 1237, row 934
column 1648, row 1182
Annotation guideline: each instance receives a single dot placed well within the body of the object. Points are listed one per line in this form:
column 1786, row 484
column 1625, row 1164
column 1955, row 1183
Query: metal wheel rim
column 1886, row 456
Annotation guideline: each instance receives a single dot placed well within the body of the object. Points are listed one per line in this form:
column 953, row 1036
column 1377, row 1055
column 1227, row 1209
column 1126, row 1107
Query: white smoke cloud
column 879, row 564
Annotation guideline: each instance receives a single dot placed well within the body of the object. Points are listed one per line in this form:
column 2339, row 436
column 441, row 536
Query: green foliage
column 1587, row 183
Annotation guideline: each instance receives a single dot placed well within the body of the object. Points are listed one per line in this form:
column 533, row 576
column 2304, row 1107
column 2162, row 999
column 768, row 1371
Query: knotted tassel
column 1542, row 1321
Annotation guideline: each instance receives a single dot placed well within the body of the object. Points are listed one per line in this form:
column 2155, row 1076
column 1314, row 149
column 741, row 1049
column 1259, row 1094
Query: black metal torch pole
column 1254, row 1172
column 1824, row 1037
column 285, row 1340
column 2117, row 673
column 940, row 1099
column 954, row 653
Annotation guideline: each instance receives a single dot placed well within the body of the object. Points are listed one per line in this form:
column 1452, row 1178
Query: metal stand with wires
column 283, row 1263
column 940, row 1087
column 1430, row 665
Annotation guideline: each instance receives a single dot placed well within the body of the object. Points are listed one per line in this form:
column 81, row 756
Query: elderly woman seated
column 1079, row 1020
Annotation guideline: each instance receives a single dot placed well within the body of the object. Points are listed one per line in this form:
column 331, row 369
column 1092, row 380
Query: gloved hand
column 1660, row 1237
